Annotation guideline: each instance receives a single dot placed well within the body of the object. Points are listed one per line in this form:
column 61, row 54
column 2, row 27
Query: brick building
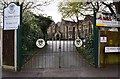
column 68, row 29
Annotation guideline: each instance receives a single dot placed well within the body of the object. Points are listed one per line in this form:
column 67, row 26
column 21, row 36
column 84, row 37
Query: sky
column 52, row 10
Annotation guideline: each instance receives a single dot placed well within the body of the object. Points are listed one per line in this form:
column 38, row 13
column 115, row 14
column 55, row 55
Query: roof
column 88, row 17
column 67, row 22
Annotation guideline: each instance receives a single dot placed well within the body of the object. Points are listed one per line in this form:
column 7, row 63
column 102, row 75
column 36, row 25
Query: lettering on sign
column 112, row 49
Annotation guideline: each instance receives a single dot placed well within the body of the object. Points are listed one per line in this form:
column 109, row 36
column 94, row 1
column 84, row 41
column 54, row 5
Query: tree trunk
column 117, row 6
column 78, row 27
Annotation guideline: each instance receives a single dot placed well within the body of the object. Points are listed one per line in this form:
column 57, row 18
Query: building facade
column 68, row 29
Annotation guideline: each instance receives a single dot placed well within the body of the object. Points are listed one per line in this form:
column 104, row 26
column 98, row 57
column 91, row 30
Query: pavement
column 56, row 55
column 90, row 71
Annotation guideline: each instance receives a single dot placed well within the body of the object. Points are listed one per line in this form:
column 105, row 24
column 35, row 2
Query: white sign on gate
column 103, row 39
column 78, row 42
column 112, row 49
column 106, row 20
column 11, row 17
column 40, row 43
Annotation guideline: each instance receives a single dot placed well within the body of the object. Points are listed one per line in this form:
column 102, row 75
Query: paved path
column 90, row 71
column 47, row 62
column 58, row 54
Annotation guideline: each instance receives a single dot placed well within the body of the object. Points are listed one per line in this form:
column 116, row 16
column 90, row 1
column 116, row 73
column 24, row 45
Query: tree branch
column 97, row 6
column 110, row 8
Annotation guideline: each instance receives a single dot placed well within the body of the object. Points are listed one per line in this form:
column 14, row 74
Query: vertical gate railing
column 29, row 37
column 87, row 50
column 59, row 52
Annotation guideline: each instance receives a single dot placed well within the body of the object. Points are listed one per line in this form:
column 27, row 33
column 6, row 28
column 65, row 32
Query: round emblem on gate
column 40, row 43
column 78, row 42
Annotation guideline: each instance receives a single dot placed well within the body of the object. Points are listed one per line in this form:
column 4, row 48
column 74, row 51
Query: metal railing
column 87, row 51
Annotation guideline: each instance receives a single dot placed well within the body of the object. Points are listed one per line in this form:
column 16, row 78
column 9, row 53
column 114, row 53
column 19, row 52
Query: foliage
column 70, row 9
column 33, row 28
column 43, row 22
column 87, row 54
column 30, row 31
column 87, row 50
column 74, row 11
column 81, row 8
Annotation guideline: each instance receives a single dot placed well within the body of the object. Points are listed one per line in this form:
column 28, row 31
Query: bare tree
column 117, row 5
column 28, row 5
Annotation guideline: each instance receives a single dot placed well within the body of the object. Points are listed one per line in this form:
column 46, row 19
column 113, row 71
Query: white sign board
column 103, row 39
column 112, row 49
column 11, row 17
column 106, row 20
column 107, row 23
column 78, row 42
column 40, row 43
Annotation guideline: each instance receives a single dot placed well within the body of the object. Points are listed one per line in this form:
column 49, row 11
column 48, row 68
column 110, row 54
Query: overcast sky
column 52, row 10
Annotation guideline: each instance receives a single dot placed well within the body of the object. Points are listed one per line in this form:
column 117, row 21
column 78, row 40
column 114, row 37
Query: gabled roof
column 81, row 21
column 67, row 22
column 88, row 17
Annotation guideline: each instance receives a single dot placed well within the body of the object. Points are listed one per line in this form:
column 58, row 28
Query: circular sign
column 40, row 43
column 78, row 42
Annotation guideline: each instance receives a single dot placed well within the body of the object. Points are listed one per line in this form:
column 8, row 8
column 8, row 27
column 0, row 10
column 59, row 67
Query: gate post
column 19, row 41
column 96, row 38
